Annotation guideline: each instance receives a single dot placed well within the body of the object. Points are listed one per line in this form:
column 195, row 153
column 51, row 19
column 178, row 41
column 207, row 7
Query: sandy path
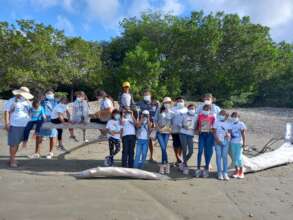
column 29, row 193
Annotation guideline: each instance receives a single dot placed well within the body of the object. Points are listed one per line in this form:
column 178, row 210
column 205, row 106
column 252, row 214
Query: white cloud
column 44, row 4
column 64, row 24
column 173, row 7
column 277, row 14
column 137, row 7
column 105, row 12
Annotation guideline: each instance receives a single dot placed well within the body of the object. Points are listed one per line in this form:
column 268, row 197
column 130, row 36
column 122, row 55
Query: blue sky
column 99, row 19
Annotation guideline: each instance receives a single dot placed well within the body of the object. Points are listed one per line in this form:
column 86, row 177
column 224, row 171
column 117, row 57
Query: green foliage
column 219, row 53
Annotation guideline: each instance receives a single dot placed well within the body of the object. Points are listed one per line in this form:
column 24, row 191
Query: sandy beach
column 40, row 189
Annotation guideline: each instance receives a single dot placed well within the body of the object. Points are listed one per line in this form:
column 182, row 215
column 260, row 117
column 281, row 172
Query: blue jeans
column 141, row 153
column 205, row 145
column 222, row 157
column 163, row 141
column 30, row 126
column 187, row 147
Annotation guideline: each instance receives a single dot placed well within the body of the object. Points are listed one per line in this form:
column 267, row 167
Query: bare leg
column 52, row 144
column 39, row 141
column 13, row 150
column 151, row 147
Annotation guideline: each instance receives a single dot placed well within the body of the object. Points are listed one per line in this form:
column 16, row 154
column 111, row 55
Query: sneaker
column 34, row 156
column 181, row 166
column 185, row 171
column 236, row 174
column 50, row 155
column 86, row 141
column 61, row 148
column 205, row 174
column 241, row 174
column 167, row 168
column 220, row 176
column 162, row 169
column 107, row 161
column 197, row 173
column 226, row 177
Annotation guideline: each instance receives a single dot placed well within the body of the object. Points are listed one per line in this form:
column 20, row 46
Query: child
column 143, row 130
column 80, row 111
column 38, row 116
column 114, row 136
column 60, row 114
column 206, row 140
column 125, row 98
column 222, row 139
column 187, row 132
column 163, row 124
column 238, row 141
column 128, row 138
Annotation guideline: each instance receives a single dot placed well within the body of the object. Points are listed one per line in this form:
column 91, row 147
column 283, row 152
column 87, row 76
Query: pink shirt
column 205, row 122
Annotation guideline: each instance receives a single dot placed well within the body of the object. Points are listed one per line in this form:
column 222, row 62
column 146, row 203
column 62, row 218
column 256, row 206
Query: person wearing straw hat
column 125, row 98
column 163, row 124
column 16, row 117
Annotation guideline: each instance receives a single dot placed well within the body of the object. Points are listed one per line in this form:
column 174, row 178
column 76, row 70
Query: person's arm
column 61, row 117
column 6, row 120
column 243, row 133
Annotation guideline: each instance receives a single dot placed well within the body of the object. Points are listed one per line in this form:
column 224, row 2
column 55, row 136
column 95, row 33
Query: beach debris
column 119, row 172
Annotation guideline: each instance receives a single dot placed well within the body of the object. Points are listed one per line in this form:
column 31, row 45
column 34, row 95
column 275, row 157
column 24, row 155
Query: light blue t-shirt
column 37, row 114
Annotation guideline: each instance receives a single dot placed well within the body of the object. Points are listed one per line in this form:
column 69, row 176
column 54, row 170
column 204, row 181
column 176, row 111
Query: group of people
column 135, row 126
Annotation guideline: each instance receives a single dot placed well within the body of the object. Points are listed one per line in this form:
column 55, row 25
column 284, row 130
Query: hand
column 7, row 126
column 218, row 142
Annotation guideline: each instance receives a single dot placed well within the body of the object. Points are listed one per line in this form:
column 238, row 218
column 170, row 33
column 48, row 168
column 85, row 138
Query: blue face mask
column 206, row 112
column 222, row 117
column 117, row 117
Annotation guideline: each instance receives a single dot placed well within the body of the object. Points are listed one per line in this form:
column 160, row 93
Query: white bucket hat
column 24, row 92
column 167, row 99
column 145, row 112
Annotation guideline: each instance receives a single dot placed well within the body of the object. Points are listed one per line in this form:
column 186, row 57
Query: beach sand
column 40, row 189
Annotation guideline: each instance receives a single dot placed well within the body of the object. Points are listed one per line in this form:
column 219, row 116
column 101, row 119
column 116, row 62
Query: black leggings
column 114, row 146
column 59, row 130
column 97, row 120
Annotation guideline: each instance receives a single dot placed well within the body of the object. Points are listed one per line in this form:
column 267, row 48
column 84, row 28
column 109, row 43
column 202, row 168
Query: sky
column 98, row 20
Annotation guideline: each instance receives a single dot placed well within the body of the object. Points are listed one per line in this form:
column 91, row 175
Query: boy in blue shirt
column 38, row 116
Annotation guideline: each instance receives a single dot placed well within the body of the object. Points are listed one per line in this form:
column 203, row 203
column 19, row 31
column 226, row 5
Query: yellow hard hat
column 126, row 84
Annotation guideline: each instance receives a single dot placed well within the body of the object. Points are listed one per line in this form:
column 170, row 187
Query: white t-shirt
column 106, row 103
column 177, row 119
column 19, row 111
column 128, row 127
column 80, row 109
column 114, row 126
column 188, row 124
column 126, row 99
column 236, row 128
column 59, row 109
column 143, row 132
column 222, row 128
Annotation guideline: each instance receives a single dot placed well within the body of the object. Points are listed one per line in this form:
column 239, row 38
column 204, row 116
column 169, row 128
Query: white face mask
column 147, row 98
column 180, row 104
column 167, row 105
column 79, row 99
column 208, row 102
column 50, row 96
column 235, row 120
column 191, row 111
column 20, row 99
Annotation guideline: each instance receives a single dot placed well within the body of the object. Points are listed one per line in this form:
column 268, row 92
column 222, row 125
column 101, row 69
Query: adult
column 147, row 104
column 179, row 110
column 104, row 114
column 163, row 124
column 106, row 107
column 48, row 103
column 209, row 99
column 16, row 117
column 125, row 98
